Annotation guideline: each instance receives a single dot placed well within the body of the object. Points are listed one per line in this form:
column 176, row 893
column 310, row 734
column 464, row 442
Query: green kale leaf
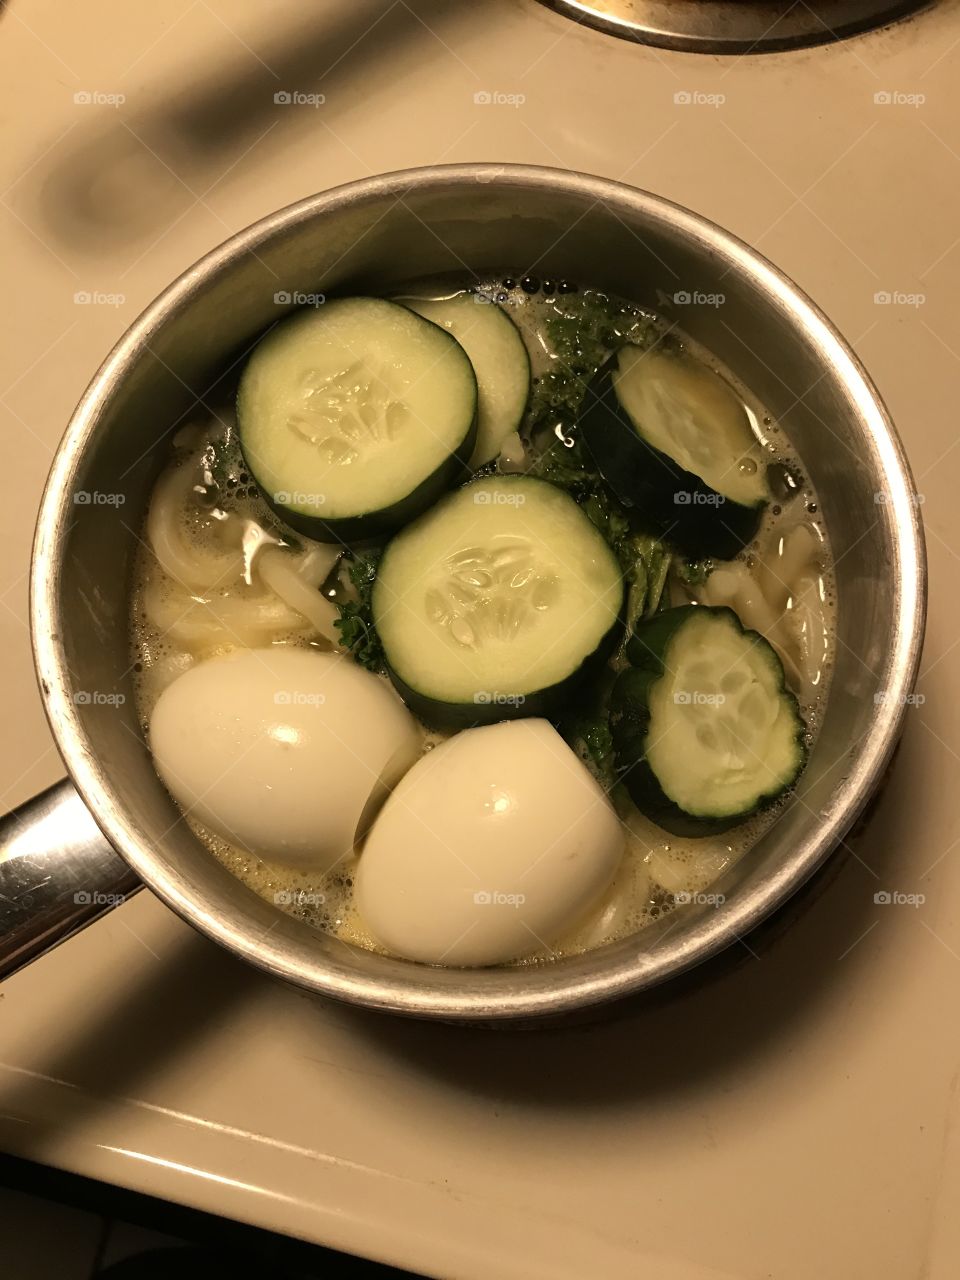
column 357, row 632
column 586, row 731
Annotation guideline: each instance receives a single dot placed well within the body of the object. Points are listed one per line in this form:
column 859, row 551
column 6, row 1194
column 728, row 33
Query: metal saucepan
column 57, row 871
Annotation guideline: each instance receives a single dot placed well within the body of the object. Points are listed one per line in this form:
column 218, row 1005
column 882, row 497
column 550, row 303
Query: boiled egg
column 490, row 847
column 285, row 752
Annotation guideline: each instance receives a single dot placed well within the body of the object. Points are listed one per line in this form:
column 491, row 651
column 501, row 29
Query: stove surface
column 795, row 1116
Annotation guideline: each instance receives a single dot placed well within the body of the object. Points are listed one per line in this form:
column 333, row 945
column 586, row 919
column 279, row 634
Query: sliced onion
column 513, row 454
column 316, row 563
column 193, row 568
column 200, row 625
column 278, row 570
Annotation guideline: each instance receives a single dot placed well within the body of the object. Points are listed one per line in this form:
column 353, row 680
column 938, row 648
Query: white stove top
column 796, row 1117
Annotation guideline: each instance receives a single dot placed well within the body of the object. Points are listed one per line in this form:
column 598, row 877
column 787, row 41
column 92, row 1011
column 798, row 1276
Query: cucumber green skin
column 526, row 404
column 550, row 703
column 630, row 726
column 647, row 479
column 374, row 526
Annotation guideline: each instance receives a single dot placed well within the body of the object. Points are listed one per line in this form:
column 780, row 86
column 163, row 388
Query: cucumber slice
column 355, row 416
column 493, row 604
column 705, row 730
column 671, row 438
column 499, row 359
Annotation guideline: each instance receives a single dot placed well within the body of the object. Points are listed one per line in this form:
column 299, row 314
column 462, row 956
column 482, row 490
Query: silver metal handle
column 57, row 874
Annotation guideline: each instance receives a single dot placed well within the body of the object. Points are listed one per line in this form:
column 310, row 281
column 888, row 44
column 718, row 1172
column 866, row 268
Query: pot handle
column 58, row 872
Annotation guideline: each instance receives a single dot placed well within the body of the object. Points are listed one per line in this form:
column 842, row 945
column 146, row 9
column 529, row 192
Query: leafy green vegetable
column 658, row 559
column 357, row 632
column 612, row 521
column 563, row 464
column 636, row 602
column 585, row 327
column 587, row 732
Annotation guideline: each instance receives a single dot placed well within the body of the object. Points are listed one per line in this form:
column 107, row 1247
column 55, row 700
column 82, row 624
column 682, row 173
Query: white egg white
column 286, row 752
column 491, row 846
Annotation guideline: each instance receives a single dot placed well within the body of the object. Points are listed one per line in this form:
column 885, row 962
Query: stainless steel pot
column 372, row 236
